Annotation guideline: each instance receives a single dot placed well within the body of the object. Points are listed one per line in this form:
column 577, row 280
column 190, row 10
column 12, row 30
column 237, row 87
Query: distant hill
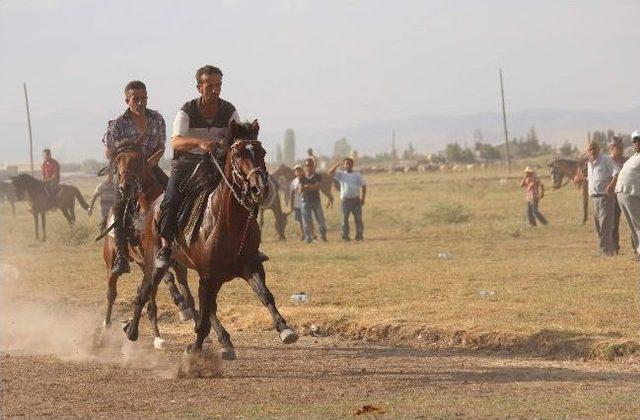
column 76, row 137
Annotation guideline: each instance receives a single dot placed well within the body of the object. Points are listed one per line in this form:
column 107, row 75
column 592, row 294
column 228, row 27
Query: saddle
column 195, row 191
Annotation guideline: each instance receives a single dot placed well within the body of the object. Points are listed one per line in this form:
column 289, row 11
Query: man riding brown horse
column 147, row 128
column 50, row 174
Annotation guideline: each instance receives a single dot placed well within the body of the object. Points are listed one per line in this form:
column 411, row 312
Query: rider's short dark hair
column 46, row 151
column 134, row 84
column 207, row 70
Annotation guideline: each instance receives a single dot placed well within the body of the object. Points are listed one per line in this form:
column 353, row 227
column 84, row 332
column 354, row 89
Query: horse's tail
column 80, row 198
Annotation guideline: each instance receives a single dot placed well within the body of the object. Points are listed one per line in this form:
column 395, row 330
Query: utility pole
column 504, row 122
column 26, row 101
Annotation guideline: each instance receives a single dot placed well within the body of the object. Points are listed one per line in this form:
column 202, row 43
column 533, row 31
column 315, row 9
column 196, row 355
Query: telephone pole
column 504, row 122
column 26, row 101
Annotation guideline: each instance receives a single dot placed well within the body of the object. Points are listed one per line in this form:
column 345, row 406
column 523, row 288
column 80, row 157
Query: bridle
column 240, row 184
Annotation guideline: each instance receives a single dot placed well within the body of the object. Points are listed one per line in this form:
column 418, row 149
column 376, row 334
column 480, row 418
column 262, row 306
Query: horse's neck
column 151, row 189
column 229, row 210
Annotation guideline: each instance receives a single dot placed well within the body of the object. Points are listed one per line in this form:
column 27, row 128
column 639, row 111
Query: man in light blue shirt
column 353, row 191
column 600, row 172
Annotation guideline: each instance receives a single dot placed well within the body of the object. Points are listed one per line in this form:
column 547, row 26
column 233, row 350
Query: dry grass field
column 519, row 321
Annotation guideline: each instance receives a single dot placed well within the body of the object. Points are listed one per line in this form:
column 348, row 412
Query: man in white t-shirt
column 353, row 191
column 197, row 130
column 600, row 172
column 627, row 189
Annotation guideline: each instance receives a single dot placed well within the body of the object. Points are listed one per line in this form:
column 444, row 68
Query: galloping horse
column 561, row 168
column 140, row 190
column 283, row 172
column 227, row 241
column 40, row 201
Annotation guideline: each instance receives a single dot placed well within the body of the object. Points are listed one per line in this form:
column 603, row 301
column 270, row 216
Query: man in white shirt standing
column 353, row 191
column 628, row 192
column 600, row 171
column 198, row 128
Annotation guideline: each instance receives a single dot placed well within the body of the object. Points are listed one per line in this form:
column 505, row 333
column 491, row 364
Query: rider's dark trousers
column 181, row 168
column 51, row 187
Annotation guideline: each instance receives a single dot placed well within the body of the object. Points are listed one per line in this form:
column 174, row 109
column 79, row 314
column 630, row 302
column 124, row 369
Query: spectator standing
column 534, row 193
column 353, row 191
column 627, row 188
column 600, row 171
column 310, row 205
column 616, row 150
column 106, row 191
column 295, row 195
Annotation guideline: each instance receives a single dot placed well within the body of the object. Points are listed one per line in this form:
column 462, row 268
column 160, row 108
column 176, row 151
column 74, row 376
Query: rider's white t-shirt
column 181, row 128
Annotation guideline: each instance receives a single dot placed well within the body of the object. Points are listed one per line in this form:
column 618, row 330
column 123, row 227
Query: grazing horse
column 227, row 241
column 273, row 203
column 8, row 194
column 569, row 169
column 40, row 201
column 285, row 175
column 140, row 190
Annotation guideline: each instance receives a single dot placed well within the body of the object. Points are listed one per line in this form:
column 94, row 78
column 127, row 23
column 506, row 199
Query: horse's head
column 556, row 173
column 249, row 171
column 129, row 164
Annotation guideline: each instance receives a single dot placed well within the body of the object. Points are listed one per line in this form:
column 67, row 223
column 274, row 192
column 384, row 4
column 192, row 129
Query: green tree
column 409, row 153
column 567, row 149
column 487, row 152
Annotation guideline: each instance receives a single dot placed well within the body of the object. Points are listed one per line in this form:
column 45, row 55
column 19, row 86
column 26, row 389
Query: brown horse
column 285, row 175
column 8, row 194
column 273, row 203
column 40, row 201
column 226, row 245
column 572, row 169
column 140, row 190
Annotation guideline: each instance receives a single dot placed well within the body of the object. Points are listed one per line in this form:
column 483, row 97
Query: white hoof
column 228, row 354
column 288, row 336
column 185, row 314
column 159, row 343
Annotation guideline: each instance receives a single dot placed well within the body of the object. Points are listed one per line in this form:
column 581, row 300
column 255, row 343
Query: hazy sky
column 294, row 63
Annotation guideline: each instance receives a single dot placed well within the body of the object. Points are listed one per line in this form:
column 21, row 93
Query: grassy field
column 547, row 291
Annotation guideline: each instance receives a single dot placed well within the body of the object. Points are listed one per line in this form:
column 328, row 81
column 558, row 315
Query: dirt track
column 318, row 376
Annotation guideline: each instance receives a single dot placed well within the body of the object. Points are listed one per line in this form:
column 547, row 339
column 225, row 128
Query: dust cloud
column 29, row 326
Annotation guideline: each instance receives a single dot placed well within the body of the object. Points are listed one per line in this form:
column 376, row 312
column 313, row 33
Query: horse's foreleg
column 227, row 351
column 112, row 293
column 257, row 281
column 43, row 219
column 152, row 312
column 183, row 286
column 207, row 288
column 144, row 293
column 35, row 224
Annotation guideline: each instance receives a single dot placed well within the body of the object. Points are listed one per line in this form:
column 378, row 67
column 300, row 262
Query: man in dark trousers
column 310, row 206
column 197, row 130
column 353, row 190
column 147, row 127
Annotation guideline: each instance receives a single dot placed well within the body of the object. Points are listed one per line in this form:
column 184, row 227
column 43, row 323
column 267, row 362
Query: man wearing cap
column 627, row 188
column 534, row 193
column 600, row 171
column 616, row 150
column 353, row 190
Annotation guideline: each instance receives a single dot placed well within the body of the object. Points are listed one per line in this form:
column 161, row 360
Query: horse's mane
column 25, row 179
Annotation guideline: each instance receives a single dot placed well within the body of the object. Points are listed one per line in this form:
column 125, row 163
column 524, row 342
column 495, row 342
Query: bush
column 449, row 213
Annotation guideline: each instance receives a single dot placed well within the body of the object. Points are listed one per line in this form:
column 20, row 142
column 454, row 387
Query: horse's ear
column 255, row 125
column 155, row 158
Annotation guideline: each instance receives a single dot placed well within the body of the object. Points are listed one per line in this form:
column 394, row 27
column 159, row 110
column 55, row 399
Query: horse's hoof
column 159, row 343
column 288, row 336
column 186, row 314
column 228, row 353
column 132, row 333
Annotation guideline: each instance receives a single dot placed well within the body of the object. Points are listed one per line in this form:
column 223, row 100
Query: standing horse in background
column 40, row 201
column 140, row 190
column 8, row 194
column 572, row 169
column 273, row 203
column 285, row 175
column 226, row 243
